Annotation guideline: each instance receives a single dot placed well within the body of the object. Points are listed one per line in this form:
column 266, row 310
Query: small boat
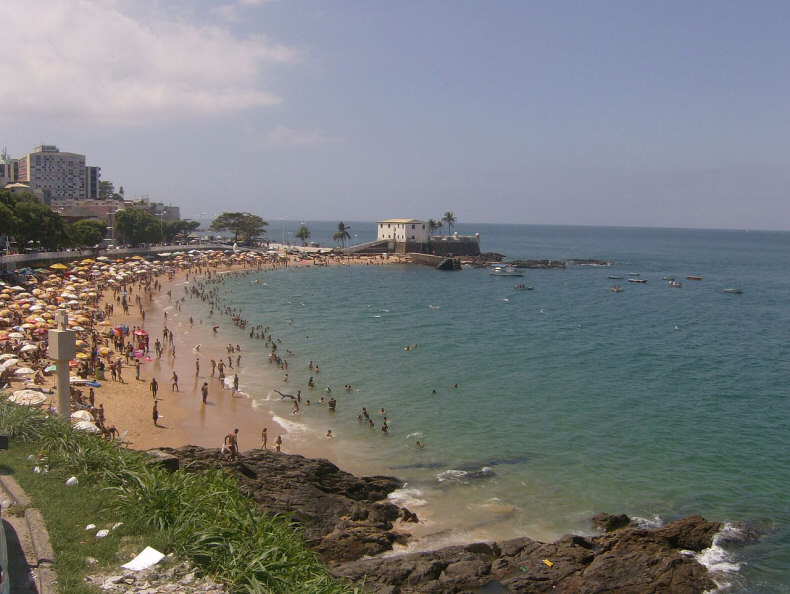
column 505, row 270
column 637, row 280
column 616, row 289
column 734, row 291
column 676, row 284
column 693, row 277
column 669, row 278
column 522, row 287
column 615, row 277
column 633, row 274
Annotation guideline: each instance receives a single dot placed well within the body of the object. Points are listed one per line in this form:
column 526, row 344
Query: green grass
column 200, row 517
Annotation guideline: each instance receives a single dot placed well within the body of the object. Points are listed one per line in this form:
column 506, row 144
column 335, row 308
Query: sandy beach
column 183, row 418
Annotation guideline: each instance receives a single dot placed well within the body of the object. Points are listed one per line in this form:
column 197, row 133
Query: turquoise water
column 571, row 399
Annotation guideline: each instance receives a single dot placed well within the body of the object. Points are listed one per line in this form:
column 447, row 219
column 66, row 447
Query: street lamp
column 283, row 219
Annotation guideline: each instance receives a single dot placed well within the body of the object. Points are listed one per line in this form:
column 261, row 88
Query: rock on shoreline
column 346, row 518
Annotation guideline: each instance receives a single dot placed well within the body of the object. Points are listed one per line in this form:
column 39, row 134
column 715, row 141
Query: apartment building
column 58, row 175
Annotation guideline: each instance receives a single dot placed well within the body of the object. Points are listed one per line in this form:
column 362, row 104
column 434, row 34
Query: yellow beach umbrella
column 59, row 266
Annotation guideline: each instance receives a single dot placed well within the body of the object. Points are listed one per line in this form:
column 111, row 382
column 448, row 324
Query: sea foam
column 407, row 496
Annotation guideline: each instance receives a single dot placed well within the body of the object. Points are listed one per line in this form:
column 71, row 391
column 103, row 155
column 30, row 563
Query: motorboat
column 734, row 291
column 523, row 287
column 616, row 289
column 694, row 277
column 615, row 277
column 505, row 270
column 641, row 281
column 675, row 284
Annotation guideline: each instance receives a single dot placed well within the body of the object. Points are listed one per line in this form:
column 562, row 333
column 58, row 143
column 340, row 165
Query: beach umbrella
column 28, row 347
column 22, row 371
column 87, row 426
column 8, row 363
column 59, row 266
column 82, row 415
column 16, row 335
column 27, row 398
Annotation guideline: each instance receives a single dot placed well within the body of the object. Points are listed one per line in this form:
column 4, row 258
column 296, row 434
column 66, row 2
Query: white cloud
column 88, row 60
column 285, row 136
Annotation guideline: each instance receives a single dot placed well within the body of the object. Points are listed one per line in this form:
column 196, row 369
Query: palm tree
column 342, row 235
column 433, row 226
column 449, row 219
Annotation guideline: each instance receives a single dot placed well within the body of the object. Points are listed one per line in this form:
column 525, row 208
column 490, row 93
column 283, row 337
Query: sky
column 621, row 113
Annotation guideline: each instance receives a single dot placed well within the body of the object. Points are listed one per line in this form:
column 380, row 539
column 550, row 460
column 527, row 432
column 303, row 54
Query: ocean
column 538, row 409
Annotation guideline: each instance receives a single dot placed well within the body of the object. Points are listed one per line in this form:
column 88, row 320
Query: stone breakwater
column 347, row 521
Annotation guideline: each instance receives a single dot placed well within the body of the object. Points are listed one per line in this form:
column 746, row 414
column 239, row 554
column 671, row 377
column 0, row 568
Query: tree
column 303, row 233
column 37, row 222
column 106, row 190
column 138, row 226
column 449, row 220
column 87, row 232
column 178, row 230
column 342, row 235
column 243, row 225
column 433, row 226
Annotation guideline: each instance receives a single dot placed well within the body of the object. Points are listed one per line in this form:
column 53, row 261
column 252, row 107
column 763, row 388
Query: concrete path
column 30, row 555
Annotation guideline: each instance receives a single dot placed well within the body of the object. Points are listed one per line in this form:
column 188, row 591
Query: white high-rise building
column 58, row 175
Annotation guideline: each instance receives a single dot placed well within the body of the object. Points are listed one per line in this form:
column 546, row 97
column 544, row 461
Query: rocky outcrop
column 346, row 518
column 343, row 516
column 627, row 560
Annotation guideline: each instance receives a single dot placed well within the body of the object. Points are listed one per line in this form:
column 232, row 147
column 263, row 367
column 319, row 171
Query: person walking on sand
column 197, row 366
column 154, row 387
column 174, row 382
column 155, row 414
column 137, row 369
column 232, row 443
column 264, row 439
column 204, row 391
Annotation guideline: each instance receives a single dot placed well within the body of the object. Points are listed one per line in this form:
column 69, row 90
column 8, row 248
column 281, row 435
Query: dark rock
column 610, row 523
column 346, row 518
column 168, row 461
column 343, row 516
column 627, row 560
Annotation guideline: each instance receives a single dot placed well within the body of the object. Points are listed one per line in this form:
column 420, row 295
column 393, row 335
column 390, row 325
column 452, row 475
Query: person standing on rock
column 278, row 443
column 232, row 443
column 264, row 438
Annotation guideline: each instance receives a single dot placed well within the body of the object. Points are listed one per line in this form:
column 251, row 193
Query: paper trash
column 146, row 559
column 90, row 526
column 102, row 533
column 72, row 481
